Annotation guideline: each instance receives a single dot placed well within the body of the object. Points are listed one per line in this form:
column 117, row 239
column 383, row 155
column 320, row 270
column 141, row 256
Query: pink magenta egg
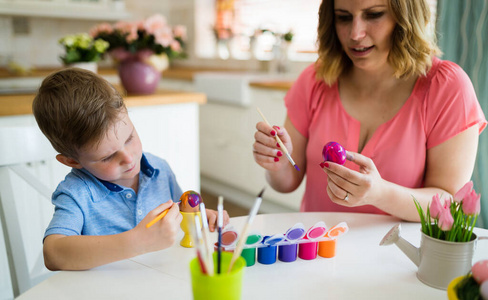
column 480, row 271
column 334, row 152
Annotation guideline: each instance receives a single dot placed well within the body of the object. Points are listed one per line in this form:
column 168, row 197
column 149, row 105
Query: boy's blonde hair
column 75, row 108
column 412, row 48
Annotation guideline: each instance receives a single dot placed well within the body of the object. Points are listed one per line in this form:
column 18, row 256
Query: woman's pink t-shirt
column 442, row 104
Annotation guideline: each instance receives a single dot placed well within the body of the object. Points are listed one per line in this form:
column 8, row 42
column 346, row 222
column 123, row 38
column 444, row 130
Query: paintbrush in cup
column 220, row 224
column 282, row 146
column 198, row 245
column 243, row 235
column 206, row 240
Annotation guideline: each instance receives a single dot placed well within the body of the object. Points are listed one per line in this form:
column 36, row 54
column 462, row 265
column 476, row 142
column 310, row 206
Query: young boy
column 114, row 189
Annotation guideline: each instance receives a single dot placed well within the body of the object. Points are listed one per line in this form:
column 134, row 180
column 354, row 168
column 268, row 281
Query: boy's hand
column 212, row 219
column 163, row 233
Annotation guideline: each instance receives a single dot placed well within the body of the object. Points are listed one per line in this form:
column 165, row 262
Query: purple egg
column 334, row 152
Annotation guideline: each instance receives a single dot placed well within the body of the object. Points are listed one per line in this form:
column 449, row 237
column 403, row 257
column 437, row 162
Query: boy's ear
column 68, row 161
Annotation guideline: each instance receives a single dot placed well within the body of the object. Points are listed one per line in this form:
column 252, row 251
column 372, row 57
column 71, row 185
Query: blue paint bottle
column 267, row 254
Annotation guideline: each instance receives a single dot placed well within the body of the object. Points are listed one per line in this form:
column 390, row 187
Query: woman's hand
column 350, row 188
column 266, row 150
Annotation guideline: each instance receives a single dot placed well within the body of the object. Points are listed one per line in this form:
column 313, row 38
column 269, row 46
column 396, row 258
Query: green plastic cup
column 224, row 286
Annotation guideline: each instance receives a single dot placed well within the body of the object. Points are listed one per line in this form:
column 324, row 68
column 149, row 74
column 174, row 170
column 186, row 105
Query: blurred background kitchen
column 238, row 55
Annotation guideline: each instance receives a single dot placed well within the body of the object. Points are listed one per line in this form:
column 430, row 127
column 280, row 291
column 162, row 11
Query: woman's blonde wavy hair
column 412, row 48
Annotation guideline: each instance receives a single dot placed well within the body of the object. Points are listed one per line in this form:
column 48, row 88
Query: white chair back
column 27, row 160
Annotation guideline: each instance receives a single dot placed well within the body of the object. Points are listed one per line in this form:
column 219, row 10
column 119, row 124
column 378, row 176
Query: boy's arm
column 83, row 252
column 212, row 218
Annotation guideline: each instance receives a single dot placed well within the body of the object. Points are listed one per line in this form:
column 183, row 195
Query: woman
column 409, row 121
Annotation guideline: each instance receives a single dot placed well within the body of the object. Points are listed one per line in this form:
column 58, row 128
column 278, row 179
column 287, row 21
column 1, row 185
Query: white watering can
column 438, row 261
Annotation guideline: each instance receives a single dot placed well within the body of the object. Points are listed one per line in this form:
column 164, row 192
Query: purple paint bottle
column 288, row 253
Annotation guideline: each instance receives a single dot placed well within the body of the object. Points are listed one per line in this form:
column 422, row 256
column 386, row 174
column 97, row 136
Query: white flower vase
column 90, row 66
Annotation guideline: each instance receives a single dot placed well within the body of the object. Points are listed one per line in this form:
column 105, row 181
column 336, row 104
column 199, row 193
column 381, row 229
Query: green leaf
column 424, row 224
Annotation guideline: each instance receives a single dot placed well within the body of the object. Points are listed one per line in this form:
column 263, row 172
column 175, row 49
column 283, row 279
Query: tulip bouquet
column 455, row 219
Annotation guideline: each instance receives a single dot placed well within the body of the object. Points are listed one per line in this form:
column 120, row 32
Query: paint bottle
column 229, row 238
column 267, row 254
column 308, row 250
column 288, row 253
column 328, row 248
column 249, row 251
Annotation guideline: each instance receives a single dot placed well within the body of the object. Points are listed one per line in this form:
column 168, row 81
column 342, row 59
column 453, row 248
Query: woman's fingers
column 365, row 164
column 358, row 188
column 268, row 151
column 338, row 195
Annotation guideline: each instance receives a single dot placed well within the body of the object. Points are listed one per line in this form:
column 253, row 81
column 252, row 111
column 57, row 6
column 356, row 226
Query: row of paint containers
column 296, row 242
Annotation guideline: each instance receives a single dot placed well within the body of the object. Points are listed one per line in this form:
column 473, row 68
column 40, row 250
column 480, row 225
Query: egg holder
column 295, row 242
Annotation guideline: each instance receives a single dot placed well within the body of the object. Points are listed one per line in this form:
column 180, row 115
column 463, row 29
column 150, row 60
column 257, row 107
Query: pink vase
column 138, row 77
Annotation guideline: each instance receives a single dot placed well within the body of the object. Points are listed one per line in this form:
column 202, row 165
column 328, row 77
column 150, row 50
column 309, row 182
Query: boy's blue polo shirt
column 85, row 205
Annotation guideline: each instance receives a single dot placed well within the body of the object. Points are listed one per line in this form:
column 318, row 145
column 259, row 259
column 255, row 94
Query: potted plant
column 142, row 49
column 447, row 242
column 454, row 220
column 82, row 51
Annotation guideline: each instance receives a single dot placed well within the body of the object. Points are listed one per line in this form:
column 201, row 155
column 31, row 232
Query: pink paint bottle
column 308, row 249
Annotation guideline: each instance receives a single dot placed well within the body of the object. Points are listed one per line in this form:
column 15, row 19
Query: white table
column 361, row 268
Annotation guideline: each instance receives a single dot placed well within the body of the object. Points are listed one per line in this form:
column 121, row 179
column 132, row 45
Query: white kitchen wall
column 39, row 46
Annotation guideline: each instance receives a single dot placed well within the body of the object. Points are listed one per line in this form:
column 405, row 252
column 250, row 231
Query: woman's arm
column 448, row 167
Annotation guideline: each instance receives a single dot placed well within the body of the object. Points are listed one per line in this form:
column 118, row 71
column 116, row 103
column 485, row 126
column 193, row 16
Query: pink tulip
column 471, row 203
column 435, row 207
column 463, row 192
column 445, row 218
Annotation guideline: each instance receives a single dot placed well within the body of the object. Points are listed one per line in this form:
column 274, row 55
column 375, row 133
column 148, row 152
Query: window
column 243, row 29
column 256, row 26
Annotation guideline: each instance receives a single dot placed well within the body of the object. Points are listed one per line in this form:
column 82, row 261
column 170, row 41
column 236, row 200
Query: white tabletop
column 361, row 268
